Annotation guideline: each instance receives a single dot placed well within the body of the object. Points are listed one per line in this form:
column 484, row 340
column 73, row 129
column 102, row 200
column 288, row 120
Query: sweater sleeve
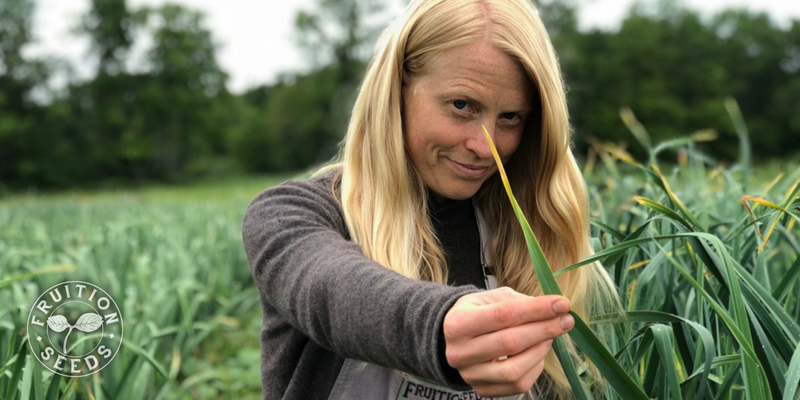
column 317, row 280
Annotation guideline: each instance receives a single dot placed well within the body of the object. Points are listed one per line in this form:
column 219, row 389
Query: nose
column 476, row 141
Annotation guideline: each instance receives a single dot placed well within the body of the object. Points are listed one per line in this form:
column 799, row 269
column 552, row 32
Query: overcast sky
column 256, row 35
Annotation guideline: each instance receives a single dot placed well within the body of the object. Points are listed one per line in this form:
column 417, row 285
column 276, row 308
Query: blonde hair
column 384, row 200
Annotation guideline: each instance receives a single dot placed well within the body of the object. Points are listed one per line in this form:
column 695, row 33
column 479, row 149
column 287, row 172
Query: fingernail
column 567, row 322
column 560, row 307
column 550, row 343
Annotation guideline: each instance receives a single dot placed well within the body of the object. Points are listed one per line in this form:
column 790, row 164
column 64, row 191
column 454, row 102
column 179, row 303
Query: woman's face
column 444, row 108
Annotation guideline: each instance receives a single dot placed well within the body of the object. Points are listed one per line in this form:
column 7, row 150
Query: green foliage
column 672, row 69
column 581, row 335
column 276, row 125
column 165, row 123
column 15, row 33
column 295, row 115
column 19, row 76
column 340, row 33
column 172, row 118
column 109, row 24
column 696, row 255
column 172, row 258
column 710, row 313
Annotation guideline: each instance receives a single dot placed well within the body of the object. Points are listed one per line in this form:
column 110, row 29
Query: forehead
column 480, row 67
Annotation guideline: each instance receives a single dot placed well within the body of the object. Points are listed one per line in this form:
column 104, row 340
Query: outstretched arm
column 310, row 276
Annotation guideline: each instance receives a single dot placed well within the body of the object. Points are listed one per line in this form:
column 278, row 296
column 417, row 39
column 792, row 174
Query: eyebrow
column 462, row 91
column 469, row 94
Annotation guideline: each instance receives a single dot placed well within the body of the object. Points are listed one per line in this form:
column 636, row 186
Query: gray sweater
column 325, row 304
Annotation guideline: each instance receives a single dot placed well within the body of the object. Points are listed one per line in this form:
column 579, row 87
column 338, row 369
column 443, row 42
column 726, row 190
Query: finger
column 514, row 375
column 507, row 342
column 501, row 390
column 509, row 370
column 478, row 320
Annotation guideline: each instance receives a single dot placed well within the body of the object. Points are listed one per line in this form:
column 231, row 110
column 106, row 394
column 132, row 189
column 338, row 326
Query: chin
column 459, row 193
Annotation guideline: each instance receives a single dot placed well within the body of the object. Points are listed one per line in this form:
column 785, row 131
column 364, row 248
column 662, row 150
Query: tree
column 109, row 24
column 340, row 32
column 753, row 53
column 290, row 125
column 161, row 123
column 301, row 120
column 674, row 71
column 19, row 76
column 187, row 83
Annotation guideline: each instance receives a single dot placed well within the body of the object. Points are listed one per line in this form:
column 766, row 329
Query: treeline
column 674, row 69
column 173, row 118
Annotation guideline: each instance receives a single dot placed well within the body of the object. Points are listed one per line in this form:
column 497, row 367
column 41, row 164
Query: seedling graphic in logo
column 82, row 348
column 88, row 322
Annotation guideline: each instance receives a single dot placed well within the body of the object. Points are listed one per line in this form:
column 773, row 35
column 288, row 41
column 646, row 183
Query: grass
column 237, row 189
column 705, row 257
column 172, row 258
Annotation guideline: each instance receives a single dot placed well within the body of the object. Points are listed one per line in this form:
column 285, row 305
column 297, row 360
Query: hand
column 482, row 329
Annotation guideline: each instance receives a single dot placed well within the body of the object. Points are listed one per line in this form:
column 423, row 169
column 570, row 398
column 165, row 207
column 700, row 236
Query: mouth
column 469, row 169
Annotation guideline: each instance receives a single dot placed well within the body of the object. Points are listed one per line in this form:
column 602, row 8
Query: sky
column 255, row 36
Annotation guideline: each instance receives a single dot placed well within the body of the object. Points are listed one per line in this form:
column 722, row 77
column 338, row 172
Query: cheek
column 509, row 144
column 420, row 135
column 413, row 122
column 414, row 137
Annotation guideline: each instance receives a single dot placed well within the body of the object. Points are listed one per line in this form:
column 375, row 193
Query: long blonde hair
column 384, row 200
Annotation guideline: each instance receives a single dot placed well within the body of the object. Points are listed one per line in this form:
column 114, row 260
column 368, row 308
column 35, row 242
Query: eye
column 509, row 115
column 460, row 104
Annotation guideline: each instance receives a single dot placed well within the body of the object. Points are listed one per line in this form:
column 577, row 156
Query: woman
column 373, row 274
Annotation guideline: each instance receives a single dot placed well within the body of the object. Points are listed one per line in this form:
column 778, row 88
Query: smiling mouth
column 469, row 169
